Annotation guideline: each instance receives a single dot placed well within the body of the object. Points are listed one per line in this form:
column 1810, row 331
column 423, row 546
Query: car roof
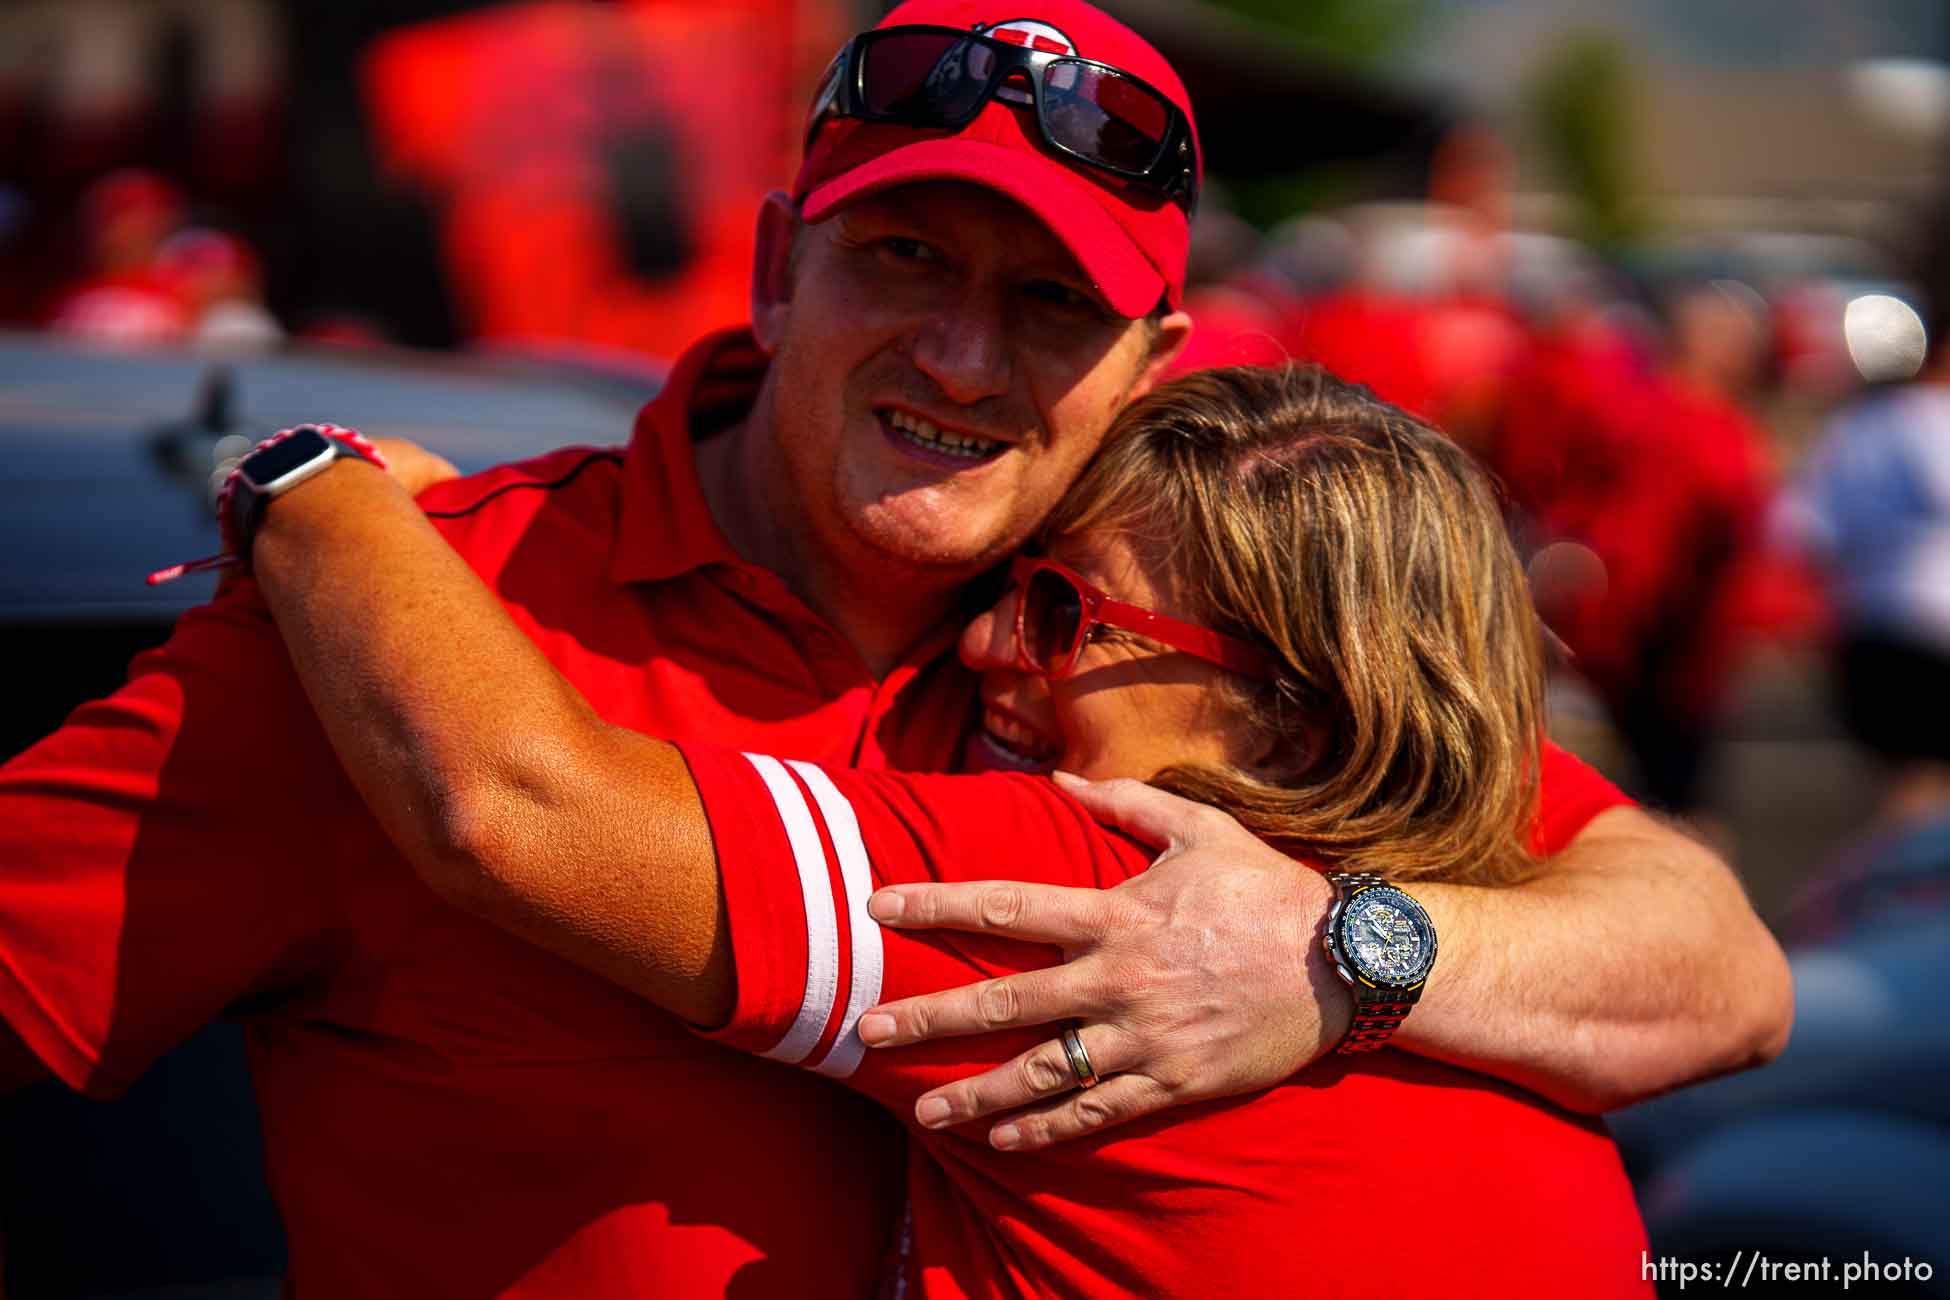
column 106, row 457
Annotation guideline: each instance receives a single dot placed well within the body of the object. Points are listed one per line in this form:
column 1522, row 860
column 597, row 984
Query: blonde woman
column 1270, row 592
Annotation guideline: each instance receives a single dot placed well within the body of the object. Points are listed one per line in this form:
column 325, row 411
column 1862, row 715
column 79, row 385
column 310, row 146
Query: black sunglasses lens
column 925, row 76
column 1052, row 611
column 1105, row 117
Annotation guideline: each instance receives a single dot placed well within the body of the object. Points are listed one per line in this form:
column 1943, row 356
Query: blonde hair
column 1367, row 552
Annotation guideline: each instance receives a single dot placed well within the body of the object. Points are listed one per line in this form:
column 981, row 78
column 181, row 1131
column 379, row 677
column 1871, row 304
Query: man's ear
column 778, row 229
column 1173, row 332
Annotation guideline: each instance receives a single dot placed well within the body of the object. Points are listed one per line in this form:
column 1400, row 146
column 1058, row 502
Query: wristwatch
column 1382, row 944
column 273, row 468
column 261, row 475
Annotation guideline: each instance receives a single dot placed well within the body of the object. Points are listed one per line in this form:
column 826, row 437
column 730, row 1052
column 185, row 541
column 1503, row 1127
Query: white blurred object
column 1885, row 338
column 1908, row 95
column 237, row 326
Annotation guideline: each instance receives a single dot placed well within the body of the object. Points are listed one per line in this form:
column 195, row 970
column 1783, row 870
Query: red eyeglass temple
column 1216, row 647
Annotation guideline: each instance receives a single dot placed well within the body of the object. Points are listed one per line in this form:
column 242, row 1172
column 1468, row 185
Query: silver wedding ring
column 1079, row 1059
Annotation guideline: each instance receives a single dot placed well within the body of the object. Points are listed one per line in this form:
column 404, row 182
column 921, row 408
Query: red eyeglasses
column 1057, row 612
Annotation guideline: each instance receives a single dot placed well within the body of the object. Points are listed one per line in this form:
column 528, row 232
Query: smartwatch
column 273, row 468
column 1382, row 944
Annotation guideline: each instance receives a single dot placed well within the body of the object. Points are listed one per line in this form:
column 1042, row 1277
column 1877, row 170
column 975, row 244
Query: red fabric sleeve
column 801, row 847
column 147, row 880
column 1570, row 793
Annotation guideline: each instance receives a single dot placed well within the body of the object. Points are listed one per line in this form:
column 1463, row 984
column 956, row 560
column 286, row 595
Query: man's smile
column 923, row 438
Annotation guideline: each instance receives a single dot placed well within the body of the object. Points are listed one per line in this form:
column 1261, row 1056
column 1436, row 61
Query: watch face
column 265, row 467
column 1387, row 938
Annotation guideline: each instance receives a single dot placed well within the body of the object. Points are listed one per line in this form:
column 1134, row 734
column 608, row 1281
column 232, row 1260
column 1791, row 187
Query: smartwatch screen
column 268, row 465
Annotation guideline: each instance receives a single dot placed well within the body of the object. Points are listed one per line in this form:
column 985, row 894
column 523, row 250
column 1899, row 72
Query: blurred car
column 107, row 464
column 1840, row 1149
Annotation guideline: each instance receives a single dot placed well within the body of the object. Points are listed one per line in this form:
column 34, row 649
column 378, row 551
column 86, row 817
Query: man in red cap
column 981, row 263
column 125, row 298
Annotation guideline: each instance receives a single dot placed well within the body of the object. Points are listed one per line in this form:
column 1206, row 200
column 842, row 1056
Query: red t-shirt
column 449, row 1111
column 1383, row 1175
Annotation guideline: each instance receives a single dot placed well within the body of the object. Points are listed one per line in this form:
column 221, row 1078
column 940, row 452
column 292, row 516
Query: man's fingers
column 1117, row 1100
column 1053, row 914
column 1041, row 1072
column 1148, row 814
column 1030, row 998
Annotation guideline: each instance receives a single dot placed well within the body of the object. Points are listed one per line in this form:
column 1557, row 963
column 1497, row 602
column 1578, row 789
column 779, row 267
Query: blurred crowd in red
column 424, row 172
column 575, row 175
column 1620, row 418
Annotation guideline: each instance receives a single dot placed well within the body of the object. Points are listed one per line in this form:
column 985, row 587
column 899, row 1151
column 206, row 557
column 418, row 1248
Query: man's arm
column 492, row 775
column 1632, row 965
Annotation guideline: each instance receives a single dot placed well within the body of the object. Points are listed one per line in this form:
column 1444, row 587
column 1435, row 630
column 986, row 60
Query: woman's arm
column 498, row 782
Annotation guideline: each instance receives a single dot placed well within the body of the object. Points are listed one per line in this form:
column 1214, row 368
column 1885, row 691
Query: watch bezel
column 1347, row 963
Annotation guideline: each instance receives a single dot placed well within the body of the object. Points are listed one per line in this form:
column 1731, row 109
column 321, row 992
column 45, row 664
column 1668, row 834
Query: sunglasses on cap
column 1101, row 116
column 1058, row 613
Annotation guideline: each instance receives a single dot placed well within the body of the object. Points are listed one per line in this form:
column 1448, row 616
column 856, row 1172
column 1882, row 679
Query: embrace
column 521, row 817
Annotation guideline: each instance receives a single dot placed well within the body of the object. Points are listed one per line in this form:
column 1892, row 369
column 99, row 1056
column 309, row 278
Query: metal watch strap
column 1373, row 1025
column 1378, row 1013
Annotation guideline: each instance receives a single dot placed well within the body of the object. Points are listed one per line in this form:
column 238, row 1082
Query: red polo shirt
column 447, row 1110
column 1383, row 1175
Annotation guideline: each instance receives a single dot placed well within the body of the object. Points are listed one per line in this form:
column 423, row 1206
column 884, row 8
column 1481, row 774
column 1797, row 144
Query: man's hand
column 1640, row 967
column 1201, row 978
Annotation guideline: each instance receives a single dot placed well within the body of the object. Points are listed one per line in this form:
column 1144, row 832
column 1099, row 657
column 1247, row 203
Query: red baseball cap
column 1131, row 241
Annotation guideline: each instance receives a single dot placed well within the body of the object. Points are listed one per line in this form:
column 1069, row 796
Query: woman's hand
column 416, row 468
column 1202, row 977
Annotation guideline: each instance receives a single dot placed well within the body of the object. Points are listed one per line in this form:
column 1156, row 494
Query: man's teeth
column 930, row 435
column 1015, row 739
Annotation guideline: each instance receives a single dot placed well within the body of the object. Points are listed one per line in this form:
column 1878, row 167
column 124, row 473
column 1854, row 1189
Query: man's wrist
column 277, row 466
column 1382, row 944
column 1333, row 1000
column 336, row 482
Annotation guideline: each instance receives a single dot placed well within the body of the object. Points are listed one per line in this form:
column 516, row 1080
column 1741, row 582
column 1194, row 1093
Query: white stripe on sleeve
column 822, row 928
column 857, row 875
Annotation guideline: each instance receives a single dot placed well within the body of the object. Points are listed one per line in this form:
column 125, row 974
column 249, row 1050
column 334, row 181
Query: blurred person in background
column 221, row 279
column 1645, row 480
column 1425, row 317
column 123, row 296
column 1871, row 504
column 1697, row 495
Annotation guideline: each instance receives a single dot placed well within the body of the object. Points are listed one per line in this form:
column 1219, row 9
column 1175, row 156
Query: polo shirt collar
column 665, row 528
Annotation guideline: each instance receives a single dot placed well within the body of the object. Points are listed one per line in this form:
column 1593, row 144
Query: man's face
column 941, row 371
